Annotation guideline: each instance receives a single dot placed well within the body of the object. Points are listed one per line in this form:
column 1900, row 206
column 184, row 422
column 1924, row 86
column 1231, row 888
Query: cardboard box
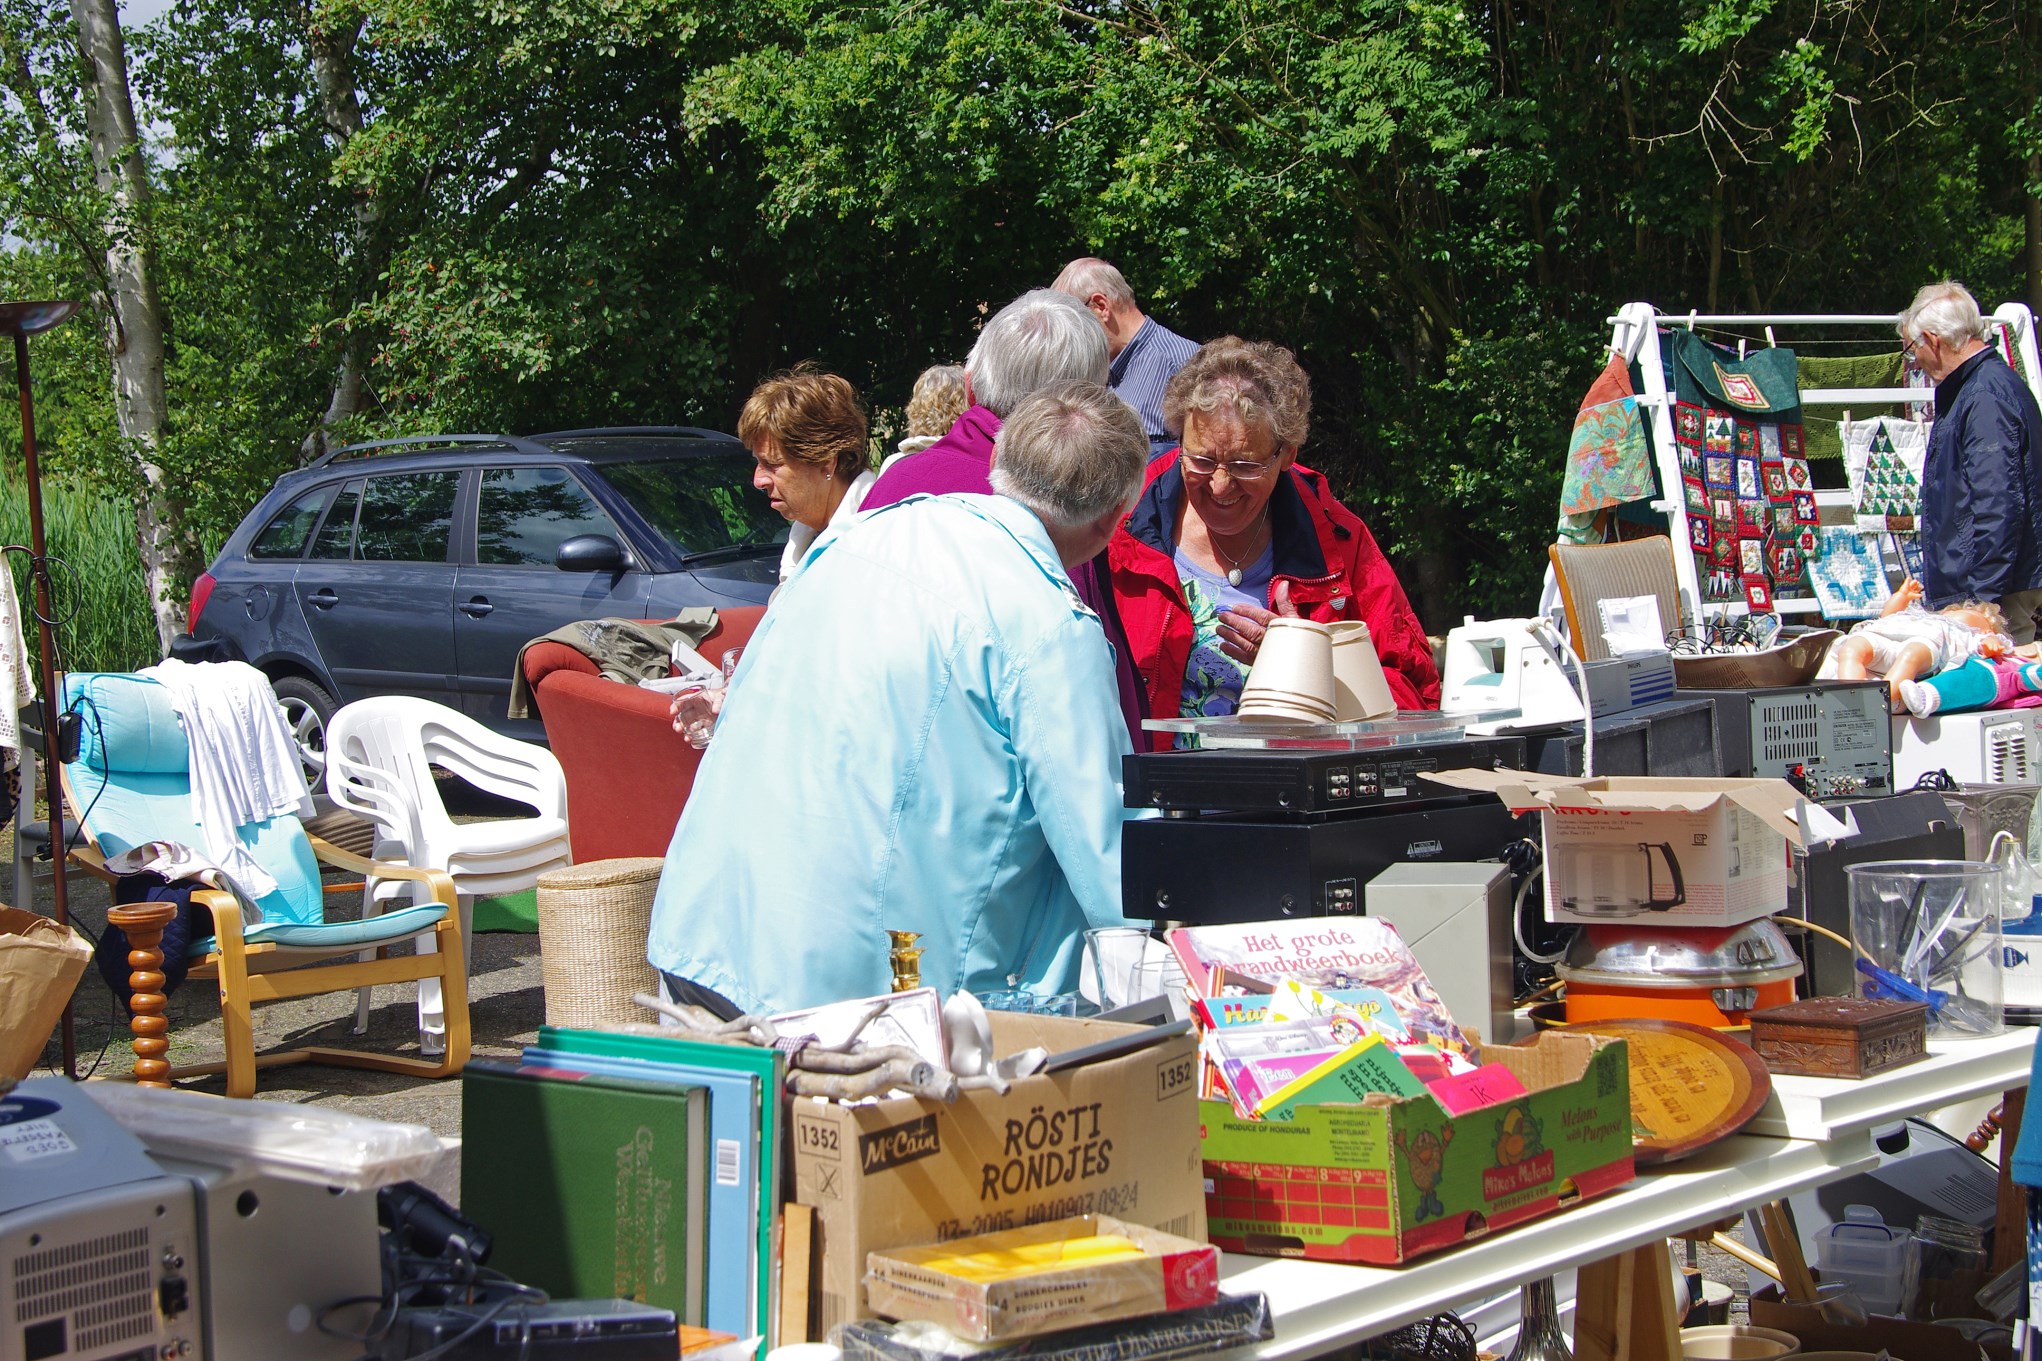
column 1118, row 1136
column 921, row 1283
column 1902, row 1339
column 1671, row 852
column 1389, row 1180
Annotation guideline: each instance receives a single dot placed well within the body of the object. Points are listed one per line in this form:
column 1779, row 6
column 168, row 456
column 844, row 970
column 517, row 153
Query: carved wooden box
column 1840, row 1036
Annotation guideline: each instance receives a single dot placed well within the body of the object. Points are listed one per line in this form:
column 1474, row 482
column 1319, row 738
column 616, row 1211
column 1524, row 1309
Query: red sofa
column 628, row 772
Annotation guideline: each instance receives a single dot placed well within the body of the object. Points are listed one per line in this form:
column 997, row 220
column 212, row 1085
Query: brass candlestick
column 905, row 959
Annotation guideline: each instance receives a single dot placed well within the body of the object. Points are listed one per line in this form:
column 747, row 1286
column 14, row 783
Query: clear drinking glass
column 1162, row 975
column 1111, row 953
column 698, row 708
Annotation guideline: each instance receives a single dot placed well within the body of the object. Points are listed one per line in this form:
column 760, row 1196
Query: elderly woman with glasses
column 1230, row 533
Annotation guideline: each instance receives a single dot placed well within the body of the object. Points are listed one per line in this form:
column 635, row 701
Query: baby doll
column 1907, row 642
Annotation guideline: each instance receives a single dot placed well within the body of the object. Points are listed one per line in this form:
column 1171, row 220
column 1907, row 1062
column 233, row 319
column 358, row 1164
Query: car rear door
column 377, row 586
column 508, row 591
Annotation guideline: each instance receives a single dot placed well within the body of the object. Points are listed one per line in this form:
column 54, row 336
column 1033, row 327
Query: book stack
column 1332, row 1011
column 630, row 1166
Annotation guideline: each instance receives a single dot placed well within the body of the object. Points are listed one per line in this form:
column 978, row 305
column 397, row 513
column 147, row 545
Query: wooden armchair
column 131, row 785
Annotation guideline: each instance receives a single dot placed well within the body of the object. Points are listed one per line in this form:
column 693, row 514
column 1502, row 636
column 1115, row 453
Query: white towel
column 17, row 676
column 244, row 763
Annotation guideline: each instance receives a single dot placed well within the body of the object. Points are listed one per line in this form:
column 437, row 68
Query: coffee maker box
column 1663, row 852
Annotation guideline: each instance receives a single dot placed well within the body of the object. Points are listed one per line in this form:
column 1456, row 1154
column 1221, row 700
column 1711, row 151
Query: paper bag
column 40, row 963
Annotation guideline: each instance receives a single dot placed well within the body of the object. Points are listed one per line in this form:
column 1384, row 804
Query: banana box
column 1392, row 1178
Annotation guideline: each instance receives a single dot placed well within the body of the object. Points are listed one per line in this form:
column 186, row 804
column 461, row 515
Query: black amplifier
column 1241, row 867
column 1304, row 780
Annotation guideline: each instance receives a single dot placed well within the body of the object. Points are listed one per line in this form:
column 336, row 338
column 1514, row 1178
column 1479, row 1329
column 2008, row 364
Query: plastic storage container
column 1862, row 1251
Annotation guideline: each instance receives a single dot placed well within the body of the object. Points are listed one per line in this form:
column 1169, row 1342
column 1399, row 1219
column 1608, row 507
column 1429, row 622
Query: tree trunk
column 2033, row 255
column 340, row 108
column 134, row 321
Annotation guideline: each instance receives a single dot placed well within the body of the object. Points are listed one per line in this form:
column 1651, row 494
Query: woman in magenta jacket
column 1231, row 533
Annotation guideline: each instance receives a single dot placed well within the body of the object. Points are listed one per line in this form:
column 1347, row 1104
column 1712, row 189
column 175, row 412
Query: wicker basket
column 593, row 921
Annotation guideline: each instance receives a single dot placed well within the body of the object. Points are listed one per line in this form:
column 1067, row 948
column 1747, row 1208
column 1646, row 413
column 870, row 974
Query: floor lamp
column 22, row 320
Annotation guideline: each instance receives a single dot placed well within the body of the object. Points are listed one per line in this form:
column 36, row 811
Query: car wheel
column 307, row 707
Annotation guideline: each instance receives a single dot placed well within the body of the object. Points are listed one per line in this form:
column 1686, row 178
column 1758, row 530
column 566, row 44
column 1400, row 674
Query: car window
column 523, row 515
column 337, row 536
column 285, row 535
column 700, row 502
column 407, row 517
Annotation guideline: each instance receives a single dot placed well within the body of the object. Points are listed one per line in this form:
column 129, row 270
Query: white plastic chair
column 380, row 755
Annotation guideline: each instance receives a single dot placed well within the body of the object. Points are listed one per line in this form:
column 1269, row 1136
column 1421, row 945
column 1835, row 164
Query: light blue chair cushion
column 355, row 935
column 133, row 785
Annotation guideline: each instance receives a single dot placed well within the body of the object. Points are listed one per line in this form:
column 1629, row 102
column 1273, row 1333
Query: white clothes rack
column 1635, row 334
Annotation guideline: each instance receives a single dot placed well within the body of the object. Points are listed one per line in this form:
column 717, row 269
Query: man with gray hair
column 1146, row 354
column 921, row 737
column 1981, row 486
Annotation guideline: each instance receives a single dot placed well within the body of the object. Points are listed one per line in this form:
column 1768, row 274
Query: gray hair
column 1041, row 337
column 1071, row 453
column 1083, row 277
column 1945, row 309
column 1260, row 382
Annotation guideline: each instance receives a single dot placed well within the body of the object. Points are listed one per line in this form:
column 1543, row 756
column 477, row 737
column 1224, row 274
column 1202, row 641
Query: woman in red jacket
column 1230, row 533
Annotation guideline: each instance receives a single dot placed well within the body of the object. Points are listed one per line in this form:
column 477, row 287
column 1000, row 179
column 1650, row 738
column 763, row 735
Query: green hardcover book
column 594, row 1186
column 1353, row 1073
column 768, row 1067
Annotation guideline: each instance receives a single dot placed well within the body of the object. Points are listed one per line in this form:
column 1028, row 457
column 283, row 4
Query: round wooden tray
column 1690, row 1086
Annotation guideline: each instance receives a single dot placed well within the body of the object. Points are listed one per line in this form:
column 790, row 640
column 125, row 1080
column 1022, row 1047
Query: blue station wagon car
column 421, row 566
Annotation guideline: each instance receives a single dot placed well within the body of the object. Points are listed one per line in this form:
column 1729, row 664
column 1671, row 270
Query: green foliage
column 574, row 212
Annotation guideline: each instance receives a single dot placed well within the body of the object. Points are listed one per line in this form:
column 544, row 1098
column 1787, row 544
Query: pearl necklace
column 1234, row 566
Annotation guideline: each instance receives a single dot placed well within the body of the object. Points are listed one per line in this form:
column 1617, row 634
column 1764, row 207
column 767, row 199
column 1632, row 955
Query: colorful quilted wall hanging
column 1737, row 422
column 1883, row 459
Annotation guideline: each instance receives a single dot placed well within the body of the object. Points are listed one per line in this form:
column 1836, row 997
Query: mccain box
column 1392, row 1179
column 1674, row 852
column 1116, row 1136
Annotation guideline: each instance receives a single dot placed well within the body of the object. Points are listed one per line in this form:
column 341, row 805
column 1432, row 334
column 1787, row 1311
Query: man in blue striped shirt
column 1145, row 353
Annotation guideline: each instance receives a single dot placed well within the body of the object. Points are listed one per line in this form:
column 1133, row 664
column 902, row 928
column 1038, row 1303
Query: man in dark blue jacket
column 1981, row 494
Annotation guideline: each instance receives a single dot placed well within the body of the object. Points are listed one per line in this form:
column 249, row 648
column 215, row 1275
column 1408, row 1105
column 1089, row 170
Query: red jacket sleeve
column 1379, row 601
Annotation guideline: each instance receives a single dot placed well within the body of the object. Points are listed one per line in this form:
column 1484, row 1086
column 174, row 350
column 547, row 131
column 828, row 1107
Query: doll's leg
column 1915, row 659
column 1853, row 656
column 1974, row 685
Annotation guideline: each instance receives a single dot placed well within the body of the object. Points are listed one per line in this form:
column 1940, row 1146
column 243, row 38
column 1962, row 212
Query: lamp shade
column 33, row 318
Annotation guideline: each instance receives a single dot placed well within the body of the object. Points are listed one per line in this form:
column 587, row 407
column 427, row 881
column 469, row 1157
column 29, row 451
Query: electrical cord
column 422, row 1274
column 1527, row 861
column 1543, row 630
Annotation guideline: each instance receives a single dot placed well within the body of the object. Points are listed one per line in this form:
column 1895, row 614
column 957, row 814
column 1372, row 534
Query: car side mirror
column 590, row 553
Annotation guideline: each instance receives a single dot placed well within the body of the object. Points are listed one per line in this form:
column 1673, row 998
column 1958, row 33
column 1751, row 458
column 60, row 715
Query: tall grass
column 98, row 596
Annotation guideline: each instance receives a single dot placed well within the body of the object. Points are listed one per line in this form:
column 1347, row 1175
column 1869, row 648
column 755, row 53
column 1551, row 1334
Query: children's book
column 1349, row 1076
column 1326, row 953
column 1255, row 1061
column 1372, row 1007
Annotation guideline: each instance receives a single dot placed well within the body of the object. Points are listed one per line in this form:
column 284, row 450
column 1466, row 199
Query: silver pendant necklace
column 1234, row 566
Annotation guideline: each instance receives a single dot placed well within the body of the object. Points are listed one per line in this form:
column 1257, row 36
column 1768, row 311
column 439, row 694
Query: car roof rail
column 690, row 431
column 424, row 443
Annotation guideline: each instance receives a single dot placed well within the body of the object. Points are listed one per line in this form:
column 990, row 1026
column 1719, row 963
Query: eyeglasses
column 1240, row 469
